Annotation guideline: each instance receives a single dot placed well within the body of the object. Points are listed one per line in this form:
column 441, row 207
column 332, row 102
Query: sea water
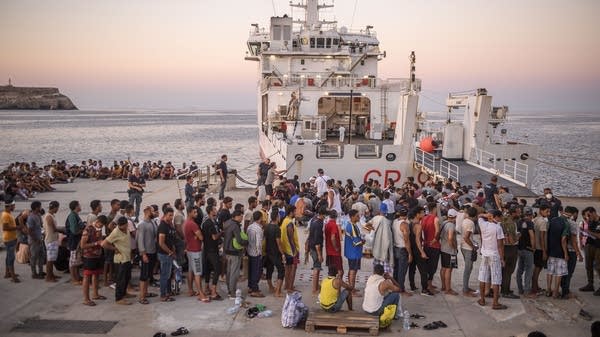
column 571, row 140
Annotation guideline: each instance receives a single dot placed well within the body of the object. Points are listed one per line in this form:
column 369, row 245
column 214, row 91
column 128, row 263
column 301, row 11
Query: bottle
column 238, row 297
column 406, row 325
column 233, row 310
column 266, row 313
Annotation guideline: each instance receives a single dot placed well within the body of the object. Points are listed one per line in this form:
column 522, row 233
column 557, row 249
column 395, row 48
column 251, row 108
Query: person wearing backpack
column 233, row 244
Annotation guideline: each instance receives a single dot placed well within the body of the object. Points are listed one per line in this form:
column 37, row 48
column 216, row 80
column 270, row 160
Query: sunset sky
column 533, row 55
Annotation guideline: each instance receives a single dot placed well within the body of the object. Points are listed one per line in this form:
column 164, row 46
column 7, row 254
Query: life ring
column 422, row 178
column 304, row 40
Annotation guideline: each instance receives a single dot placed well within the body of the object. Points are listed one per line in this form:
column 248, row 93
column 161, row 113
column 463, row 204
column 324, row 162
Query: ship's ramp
column 468, row 174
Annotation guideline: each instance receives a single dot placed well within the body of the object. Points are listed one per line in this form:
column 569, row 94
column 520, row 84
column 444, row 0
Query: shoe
column 511, row 296
column 597, row 292
column 586, row 315
column 587, row 287
column 426, row 292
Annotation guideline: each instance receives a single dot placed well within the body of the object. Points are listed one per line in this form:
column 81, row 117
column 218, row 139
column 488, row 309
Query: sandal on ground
column 143, row 301
column 414, row 325
column 193, row 293
column 499, row 307
column 216, row 298
column 168, row 299
column 180, row 331
column 160, row 334
column 430, row 326
column 89, row 303
column 99, row 297
column 440, row 324
column 417, row 316
column 204, row 300
column 151, row 295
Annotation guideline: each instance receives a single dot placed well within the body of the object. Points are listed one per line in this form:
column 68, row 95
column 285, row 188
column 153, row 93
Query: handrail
column 441, row 167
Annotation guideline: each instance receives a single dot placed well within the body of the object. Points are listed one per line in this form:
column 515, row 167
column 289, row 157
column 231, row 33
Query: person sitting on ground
column 381, row 290
column 334, row 292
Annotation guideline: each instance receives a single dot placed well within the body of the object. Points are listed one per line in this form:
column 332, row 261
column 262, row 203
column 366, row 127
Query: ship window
column 287, row 32
column 312, row 42
column 295, row 43
column 353, row 50
column 320, row 42
column 302, row 61
column 254, row 48
column 276, row 32
column 362, row 63
column 328, row 43
column 360, row 50
column 336, row 42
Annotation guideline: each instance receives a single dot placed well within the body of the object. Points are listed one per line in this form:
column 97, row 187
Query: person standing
column 146, row 243
column 526, row 250
column 540, row 256
column 136, row 184
column 573, row 250
column 353, row 245
column 342, row 132
column 51, row 240
column 93, row 264
column 333, row 248
column 222, row 169
column 511, row 251
column 431, row 243
column 558, row 255
column 233, row 254
column 189, row 192
column 468, row 248
column 403, row 253
column 35, row 240
column 193, row 246
column 321, row 182
column 254, row 250
column 449, row 251
column 178, row 221
column 491, row 194
column 275, row 257
column 291, row 247
column 590, row 231
column 166, row 252
column 74, row 231
column 212, row 262
column 9, row 236
column 314, row 245
column 492, row 256
column 119, row 241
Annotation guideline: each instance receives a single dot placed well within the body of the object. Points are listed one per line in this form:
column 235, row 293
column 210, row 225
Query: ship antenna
column 274, row 10
column 413, row 60
column 353, row 13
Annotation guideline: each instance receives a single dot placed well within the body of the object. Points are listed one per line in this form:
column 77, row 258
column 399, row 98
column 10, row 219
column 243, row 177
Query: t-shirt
column 93, row 235
column 594, row 227
column 315, row 235
column 121, row 241
column 573, row 230
column 272, row 233
column 490, row 190
column 540, row 224
column 192, row 243
column 352, row 241
column 223, row 168
column 8, row 222
column 332, row 230
column 524, row 228
column 321, row 183
column 75, row 225
column 255, row 239
column 444, row 242
column 491, row 232
column 222, row 216
column 137, row 180
column 428, row 224
column 210, row 228
column 557, row 229
column 467, row 226
column 34, row 226
column 170, row 237
column 146, row 237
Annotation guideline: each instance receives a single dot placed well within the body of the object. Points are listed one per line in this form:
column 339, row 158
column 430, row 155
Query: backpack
column 235, row 242
column 293, row 311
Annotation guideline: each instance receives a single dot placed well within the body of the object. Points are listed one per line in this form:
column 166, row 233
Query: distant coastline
column 33, row 98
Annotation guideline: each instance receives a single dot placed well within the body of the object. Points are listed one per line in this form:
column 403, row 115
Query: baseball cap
column 452, row 213
column 528, row 211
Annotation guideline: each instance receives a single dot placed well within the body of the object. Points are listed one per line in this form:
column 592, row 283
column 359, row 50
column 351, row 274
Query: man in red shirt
column 193, row 245
column 431, row 243
column 333, row 246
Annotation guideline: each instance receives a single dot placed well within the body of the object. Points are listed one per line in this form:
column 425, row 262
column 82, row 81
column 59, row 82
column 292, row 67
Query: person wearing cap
column 492, row 253
column 511, row 251
column 526, row 250
column 448, row 251
column 9, row 236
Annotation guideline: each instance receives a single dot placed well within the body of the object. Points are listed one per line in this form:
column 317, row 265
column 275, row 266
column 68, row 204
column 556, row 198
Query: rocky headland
column 33, row 98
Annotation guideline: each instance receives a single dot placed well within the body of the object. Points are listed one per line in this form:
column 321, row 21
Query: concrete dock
column 464, row 317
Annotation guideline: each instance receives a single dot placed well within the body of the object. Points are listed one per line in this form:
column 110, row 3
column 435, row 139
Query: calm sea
column 569, row 140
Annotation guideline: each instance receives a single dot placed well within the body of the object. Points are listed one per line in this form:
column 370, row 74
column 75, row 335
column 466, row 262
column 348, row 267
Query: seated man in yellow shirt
column 334, row 292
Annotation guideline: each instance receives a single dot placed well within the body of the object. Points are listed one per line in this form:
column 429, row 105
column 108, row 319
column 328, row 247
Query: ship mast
column 311, row 18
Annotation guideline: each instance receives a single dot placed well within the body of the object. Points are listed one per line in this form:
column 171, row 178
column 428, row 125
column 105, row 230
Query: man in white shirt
column 492, row 252
column 321, row 182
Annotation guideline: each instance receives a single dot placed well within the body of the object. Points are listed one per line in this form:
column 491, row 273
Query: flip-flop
column 180, row 331
column 160, row 334
column 440, row 324
column 499, row 307
column 100, row 297
column 480, row 302
column 144, row 301
column 216, row 298
column 89, row 303
column 168, row 299
column 430, row 326
column 204, row 300
column 417, row 316
column 414, row 325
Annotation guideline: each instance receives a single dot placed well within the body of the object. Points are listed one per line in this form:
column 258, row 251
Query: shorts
column 291, row 260
column 557, row 266
column 490, row 269
column 52, row 251
column 538, row 259
column 92, row 266
column 146, row 268
column 354, row 264
column 195, row 262
column 445, row 258
column 334, row 261
column 315, row 257
column 109, row 256
column 75, row 258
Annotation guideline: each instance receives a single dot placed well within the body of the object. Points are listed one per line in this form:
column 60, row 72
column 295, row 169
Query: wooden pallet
column 342, row 321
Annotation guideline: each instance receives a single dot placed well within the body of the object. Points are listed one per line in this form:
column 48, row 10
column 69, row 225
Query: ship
column 321, row 104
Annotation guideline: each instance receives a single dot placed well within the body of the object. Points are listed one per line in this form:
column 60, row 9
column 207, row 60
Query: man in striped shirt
column 254, row 250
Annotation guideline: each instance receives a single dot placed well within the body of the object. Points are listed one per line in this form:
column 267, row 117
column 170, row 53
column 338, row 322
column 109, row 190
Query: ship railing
column 330, row 151
column 516, row 170
column 428, row 162
column 449, row 170
column 484, row 158
column 425, row 160
column 332, row 81
column 507, row 168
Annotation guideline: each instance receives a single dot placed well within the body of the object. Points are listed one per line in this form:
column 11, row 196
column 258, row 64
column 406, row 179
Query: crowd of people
column 21, row 180
column 405, row 229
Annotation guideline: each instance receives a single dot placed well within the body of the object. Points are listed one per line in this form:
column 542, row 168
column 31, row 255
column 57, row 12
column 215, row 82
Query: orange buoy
column 427, row 144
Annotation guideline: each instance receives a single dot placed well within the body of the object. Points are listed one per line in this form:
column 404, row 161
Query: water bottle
column 238, row 297
column 266, row 313
column 406, row 325
column 233, row 310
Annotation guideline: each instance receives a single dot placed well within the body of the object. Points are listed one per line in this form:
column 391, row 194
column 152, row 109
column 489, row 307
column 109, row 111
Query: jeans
column 391, row 298
column 135, row 198
column 10, row 253
column 565, row 281
column 401, row 266
column 166, row 263
column 233, row 272
column 254, row 271
column 467, row 254
column 123, row 277
column 590, row 258
column 525, row 267
column 36, row 259
column 222, row 189
column 422, row 266
column 511, row 255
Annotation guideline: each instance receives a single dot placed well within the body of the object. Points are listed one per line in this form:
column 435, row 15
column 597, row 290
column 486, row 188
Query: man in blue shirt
column 353, row 246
